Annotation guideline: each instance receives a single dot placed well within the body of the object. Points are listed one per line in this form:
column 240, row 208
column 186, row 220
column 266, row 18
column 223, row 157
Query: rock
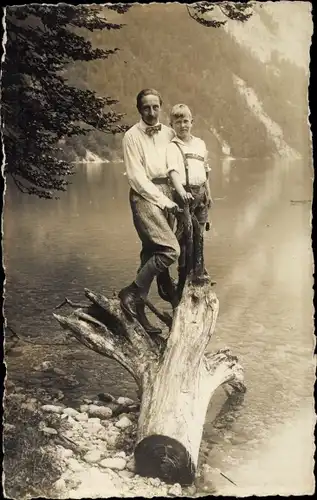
column 131, row 465
column 92, row 456
column 9, row 384
column 87, row 401
column 175, row 490
column 94, row 420
column 65, row 452
column 49, row 430
column 125, row 401
column 52, row 408
column 59, row 371
column 121, row 454
column 105, row 397
column 123, row 423
column 60, row 484
column 81, row 417
column 46, row 365
column 125, row 474
column 71, row 412
column 74, row 465
column 99, row 411
column 191, row 490
column 9, row 427
column 28, row 406
column 84, row 408
column 113, row 463
column 112, row 441
column 154, row 481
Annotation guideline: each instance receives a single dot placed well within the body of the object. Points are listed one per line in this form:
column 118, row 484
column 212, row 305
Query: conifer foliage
column 39, row 107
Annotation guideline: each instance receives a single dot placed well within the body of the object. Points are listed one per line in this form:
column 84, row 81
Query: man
column 144, row 149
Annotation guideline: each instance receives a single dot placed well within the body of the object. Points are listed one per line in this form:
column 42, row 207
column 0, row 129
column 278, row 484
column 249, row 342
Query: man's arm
column 137, row 177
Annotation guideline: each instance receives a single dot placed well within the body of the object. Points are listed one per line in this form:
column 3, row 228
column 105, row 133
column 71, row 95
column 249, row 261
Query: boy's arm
column 172, row 163
column 208, row 169
column 176, row 181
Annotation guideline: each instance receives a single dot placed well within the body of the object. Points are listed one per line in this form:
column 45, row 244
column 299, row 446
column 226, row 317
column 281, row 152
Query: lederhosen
column 199, row 192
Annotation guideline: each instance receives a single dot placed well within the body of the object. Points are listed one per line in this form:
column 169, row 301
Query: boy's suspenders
column 185, row 163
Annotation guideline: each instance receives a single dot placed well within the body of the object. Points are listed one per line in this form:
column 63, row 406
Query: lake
column 259, row 251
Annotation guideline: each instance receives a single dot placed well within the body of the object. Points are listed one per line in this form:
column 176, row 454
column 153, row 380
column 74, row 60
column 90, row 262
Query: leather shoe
column 141, row 317
column 130, row 297
column 166, row 287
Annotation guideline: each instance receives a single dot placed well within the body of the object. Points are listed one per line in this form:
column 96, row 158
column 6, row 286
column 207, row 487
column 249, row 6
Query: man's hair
column 145, row 92
column 179, row 110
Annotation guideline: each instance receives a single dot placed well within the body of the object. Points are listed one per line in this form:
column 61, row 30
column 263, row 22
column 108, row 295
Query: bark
column 176, row 379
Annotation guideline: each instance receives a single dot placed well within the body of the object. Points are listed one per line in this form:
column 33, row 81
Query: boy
column 188, row 168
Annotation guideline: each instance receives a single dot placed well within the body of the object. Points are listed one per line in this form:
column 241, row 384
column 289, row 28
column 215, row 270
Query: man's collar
column 143, row 126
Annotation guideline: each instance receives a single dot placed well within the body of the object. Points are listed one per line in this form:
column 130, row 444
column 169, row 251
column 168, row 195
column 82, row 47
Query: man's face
column 150, row 109
column 183, row 126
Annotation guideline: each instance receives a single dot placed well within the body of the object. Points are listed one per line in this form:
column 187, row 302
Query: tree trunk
column 176, row 379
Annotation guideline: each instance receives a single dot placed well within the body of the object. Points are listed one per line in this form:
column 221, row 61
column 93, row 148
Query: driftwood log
column 175, row 376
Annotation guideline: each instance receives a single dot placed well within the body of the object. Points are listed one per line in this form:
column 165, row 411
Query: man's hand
column 171, row 208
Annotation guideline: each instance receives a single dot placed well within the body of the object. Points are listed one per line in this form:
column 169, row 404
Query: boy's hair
column 179, row 110
column 145, row 92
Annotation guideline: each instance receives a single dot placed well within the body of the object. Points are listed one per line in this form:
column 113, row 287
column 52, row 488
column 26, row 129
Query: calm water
column 259, row 250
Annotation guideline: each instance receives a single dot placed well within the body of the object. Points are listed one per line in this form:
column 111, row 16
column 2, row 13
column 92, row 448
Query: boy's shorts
column 198, row 204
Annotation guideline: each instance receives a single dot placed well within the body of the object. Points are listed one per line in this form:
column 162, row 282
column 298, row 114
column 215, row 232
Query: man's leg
column 155, row 233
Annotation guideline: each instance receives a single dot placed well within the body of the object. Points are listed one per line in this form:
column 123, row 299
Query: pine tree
column 39, row 107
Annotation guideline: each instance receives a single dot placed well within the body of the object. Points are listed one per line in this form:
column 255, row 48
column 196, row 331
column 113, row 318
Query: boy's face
column 183, row 126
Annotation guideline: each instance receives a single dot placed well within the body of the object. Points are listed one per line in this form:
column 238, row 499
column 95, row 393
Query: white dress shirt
column 197, row 160
column 145, row 159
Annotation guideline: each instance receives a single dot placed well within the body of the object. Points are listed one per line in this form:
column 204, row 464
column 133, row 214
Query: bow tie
column 150, row 131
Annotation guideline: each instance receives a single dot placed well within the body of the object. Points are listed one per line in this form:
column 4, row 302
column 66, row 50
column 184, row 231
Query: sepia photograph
column 157, row 250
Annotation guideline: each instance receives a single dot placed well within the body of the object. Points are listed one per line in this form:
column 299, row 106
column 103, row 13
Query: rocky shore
column 92, row 444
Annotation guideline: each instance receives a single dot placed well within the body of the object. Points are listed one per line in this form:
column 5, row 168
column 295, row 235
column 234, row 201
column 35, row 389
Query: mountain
column 247, row 94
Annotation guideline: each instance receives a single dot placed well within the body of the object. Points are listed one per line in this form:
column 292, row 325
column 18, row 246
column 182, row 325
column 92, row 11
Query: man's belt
column 160, row 180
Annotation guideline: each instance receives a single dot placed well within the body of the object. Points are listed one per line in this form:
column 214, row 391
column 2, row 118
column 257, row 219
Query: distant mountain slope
column 162, row 47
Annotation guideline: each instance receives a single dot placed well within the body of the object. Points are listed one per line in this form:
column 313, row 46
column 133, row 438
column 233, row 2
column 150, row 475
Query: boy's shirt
column 197, row 156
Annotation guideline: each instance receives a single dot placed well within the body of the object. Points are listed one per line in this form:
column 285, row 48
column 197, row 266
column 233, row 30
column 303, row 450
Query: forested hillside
column 162, row 47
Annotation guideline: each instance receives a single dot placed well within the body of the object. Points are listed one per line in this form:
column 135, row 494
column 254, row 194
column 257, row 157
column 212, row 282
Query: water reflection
column 259, row 251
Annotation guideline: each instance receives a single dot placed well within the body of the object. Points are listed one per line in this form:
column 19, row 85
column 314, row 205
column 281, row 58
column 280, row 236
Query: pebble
column 105, row 397
column 49, row 430
column 123, row 423
column 9, row 427
column 60, row 484
column 9, row 384
column 191, row 490
column 84, row 408
column 74, row 465
column 121, row 454
column 154, row 481
column 99, row 411
column 131, row 465
column 94, row 420
column 175, row 490
column 52, row 408
column 28, row 406
column 114, row 463
column 82, row 417
column 71, row 412
column 125, row 474
column 125, row 401
column 87, row 401
column 66, row 452
column 92, row 456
